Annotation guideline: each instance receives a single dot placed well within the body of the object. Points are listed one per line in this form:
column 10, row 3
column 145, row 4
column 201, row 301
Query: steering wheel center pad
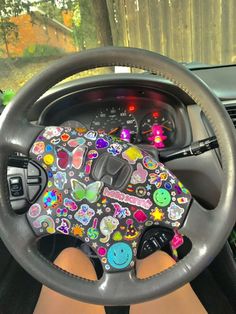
column 104, row 191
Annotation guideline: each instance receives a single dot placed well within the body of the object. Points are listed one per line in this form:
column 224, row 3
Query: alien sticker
column 107, row 226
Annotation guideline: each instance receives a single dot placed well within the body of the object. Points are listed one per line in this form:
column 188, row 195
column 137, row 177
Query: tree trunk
column 104, row 35
column 5, row 40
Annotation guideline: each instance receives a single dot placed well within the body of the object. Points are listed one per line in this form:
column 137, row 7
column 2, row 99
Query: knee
column 154, row 264
column 66, row 256
column 76, row 262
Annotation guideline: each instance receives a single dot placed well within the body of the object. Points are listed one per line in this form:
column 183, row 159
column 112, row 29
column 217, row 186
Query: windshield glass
column 35, row 33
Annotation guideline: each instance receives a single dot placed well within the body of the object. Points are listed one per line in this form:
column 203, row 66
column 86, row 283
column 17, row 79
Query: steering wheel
column 103, row 190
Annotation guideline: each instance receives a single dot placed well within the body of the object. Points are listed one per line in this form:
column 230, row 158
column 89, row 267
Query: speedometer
column 117, row 121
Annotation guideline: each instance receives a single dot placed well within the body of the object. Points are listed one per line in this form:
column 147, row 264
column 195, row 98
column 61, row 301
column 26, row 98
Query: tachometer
column 158, row 128
column 116, row 121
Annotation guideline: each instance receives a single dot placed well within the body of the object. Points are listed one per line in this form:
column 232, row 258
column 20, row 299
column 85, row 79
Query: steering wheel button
column 16, row 186
column 34, row 180
column 17, row 193
column 32, row 170
column 33, row 191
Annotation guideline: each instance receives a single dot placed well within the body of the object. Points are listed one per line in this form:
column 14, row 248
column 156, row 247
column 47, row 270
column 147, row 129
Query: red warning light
column 132, row 108
column 155, row 114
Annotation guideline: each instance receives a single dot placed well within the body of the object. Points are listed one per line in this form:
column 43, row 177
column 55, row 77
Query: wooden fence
column 186, row 30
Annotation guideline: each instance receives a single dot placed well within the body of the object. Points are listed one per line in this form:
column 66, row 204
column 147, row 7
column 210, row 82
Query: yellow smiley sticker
column 48, row 159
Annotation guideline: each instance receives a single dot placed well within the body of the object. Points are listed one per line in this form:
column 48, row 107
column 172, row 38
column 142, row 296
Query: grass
column 14, row 73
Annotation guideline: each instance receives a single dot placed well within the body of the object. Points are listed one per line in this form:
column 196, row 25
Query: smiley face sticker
column 162, row 197
column 119, row 255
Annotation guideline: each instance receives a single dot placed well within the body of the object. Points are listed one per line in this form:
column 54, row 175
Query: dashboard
column 137, row 115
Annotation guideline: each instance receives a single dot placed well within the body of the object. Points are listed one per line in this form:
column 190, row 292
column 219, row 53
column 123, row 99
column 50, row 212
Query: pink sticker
column 140, row 216
column 92, row 154
column 130, row 199
column 139, row 175
column 34, row 210
column 38, row 148
column 177, row 240
column 102, row 251
column 88, row 166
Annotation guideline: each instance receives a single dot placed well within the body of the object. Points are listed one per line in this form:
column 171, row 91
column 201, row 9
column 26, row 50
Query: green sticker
column 162, row 197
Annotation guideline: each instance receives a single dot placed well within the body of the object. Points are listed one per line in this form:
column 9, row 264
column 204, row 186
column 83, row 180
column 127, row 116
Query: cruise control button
column 32, row 170
column 34, row 180
column 17, row 193
column 16, row 186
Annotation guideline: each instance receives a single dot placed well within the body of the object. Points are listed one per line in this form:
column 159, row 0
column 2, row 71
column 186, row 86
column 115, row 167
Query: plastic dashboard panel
column 84, row 104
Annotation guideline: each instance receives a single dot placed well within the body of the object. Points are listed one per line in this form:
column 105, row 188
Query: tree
column 103, row 26
column 8, row 30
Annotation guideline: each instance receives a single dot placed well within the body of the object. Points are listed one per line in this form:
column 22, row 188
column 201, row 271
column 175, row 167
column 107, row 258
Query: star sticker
column 99, row 211
column 73, row 133
column 81, row 175
column 94, row 245
column 49, row 212
column 140, row 227
column 54, row 168
column 157, row 214
column 134, row 244
column 172, row 181
column 148, row 187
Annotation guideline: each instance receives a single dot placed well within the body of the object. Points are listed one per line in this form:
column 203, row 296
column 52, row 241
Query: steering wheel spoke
column 21, row 140
column 198, row 223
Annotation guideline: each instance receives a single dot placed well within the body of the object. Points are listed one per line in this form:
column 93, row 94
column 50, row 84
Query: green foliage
column 7, row 96
column 37, row 50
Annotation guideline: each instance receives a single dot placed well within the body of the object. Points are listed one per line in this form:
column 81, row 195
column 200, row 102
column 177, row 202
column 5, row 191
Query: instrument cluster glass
column 156, row 127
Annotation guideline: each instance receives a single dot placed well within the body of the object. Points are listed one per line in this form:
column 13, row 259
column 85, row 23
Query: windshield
column 35, row 33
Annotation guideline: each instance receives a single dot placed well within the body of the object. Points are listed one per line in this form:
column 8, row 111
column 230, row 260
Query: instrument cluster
column 133, row 115
column 157, row 127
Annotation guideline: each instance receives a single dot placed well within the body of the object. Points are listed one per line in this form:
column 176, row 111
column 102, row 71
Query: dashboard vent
column 231, row 109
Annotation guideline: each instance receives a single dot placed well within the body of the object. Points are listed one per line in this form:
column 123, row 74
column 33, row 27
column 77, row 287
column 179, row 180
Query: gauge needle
column 163, row 126
column 148, row 131
column 113, row 131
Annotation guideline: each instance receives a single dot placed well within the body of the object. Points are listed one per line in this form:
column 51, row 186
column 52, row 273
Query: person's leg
column 181, row 301
column 50, row 302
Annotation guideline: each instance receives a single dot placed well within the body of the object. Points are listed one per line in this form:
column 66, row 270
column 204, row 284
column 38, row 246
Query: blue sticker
column 48, row 148
column 119, row 255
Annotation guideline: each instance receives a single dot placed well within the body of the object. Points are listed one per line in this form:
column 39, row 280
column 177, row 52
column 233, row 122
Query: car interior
column 149, row 145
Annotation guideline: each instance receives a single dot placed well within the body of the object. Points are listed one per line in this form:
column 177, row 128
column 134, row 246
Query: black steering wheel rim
column 213, row 226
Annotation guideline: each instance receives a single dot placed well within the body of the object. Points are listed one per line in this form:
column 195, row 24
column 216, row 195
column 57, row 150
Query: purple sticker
column 101, row 143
